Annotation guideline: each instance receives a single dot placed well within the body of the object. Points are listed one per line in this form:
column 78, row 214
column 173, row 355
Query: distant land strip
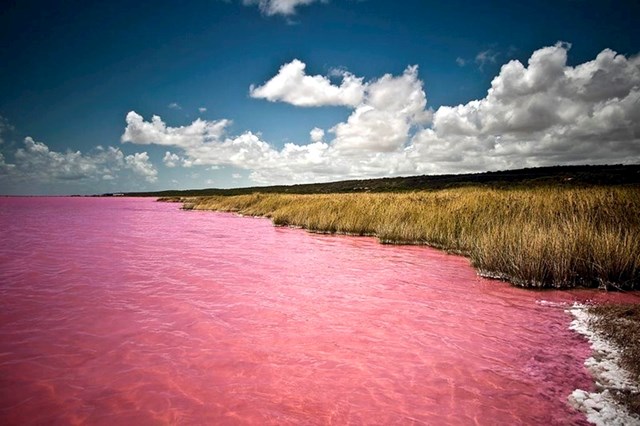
column 565, row 176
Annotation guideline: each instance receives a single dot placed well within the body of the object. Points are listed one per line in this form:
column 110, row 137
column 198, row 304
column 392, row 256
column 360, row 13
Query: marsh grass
column 538, row 237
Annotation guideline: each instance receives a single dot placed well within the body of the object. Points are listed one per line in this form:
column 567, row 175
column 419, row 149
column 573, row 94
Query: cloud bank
column 542, row 113
column 35, row 162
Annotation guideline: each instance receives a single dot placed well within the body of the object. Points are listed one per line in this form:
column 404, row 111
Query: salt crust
column 600, row 407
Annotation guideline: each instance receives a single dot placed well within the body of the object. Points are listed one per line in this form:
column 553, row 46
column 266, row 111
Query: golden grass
column 539, row 237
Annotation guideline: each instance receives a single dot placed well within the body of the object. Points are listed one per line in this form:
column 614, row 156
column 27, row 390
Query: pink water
column 128, row 311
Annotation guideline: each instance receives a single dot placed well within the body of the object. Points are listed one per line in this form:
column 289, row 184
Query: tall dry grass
column 541, row 237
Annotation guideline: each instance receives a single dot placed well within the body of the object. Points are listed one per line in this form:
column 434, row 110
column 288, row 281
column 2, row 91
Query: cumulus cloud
column 541, row 113
column 316, row 134
column 279, row 7
column 385, row 109
column 174, row 105
column 247, row 151
column 294, row 86
column 157, row 132
column 140, row 164
column 382, row 122
column 35, row 159
column 202, row 110
column 36, row 162
column 170, row 159
column 389, row 110
column 544, row 113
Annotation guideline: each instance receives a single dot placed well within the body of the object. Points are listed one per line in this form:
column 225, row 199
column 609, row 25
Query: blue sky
column 288, row 91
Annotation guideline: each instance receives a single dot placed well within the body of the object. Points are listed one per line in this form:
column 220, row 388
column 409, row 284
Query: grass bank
column 538, row 237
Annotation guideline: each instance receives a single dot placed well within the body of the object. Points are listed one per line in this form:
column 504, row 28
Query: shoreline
column 540, row 237
column 600, row 407
column 603, row 406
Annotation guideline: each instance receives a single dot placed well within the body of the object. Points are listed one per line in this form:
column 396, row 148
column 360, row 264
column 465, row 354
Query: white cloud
column 385, row 109
column 174, row 105
column 140, row 164
column 382, row 122
column 316, row 134
column 460, row 61
column 156, row 131
column 35, row 162
column 202, row 110
column 170, row 160
column 246, row 151
column 279, row 7
column 542, row 113
column 294, row 86
column 546, row 113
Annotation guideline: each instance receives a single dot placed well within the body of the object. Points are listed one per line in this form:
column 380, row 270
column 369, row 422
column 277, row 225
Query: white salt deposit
column 600, row 407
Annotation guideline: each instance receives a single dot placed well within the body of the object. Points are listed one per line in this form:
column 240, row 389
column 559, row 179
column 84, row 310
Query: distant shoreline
column 554, row 176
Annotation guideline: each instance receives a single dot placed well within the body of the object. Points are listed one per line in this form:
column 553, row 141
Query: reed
column 538, row 237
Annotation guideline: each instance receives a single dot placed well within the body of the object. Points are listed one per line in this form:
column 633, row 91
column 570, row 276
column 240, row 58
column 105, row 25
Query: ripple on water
column 118, row 310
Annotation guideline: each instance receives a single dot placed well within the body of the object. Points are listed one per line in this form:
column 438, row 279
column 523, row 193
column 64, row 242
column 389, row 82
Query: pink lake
column 129, row 311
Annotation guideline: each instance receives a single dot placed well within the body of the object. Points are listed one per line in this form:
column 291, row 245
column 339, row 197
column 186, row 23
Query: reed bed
column 538, row 237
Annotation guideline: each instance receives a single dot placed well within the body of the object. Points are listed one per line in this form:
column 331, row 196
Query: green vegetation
column 545, row 236
column 620, row 324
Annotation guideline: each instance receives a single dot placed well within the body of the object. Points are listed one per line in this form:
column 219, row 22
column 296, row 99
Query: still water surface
column 128, row 311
